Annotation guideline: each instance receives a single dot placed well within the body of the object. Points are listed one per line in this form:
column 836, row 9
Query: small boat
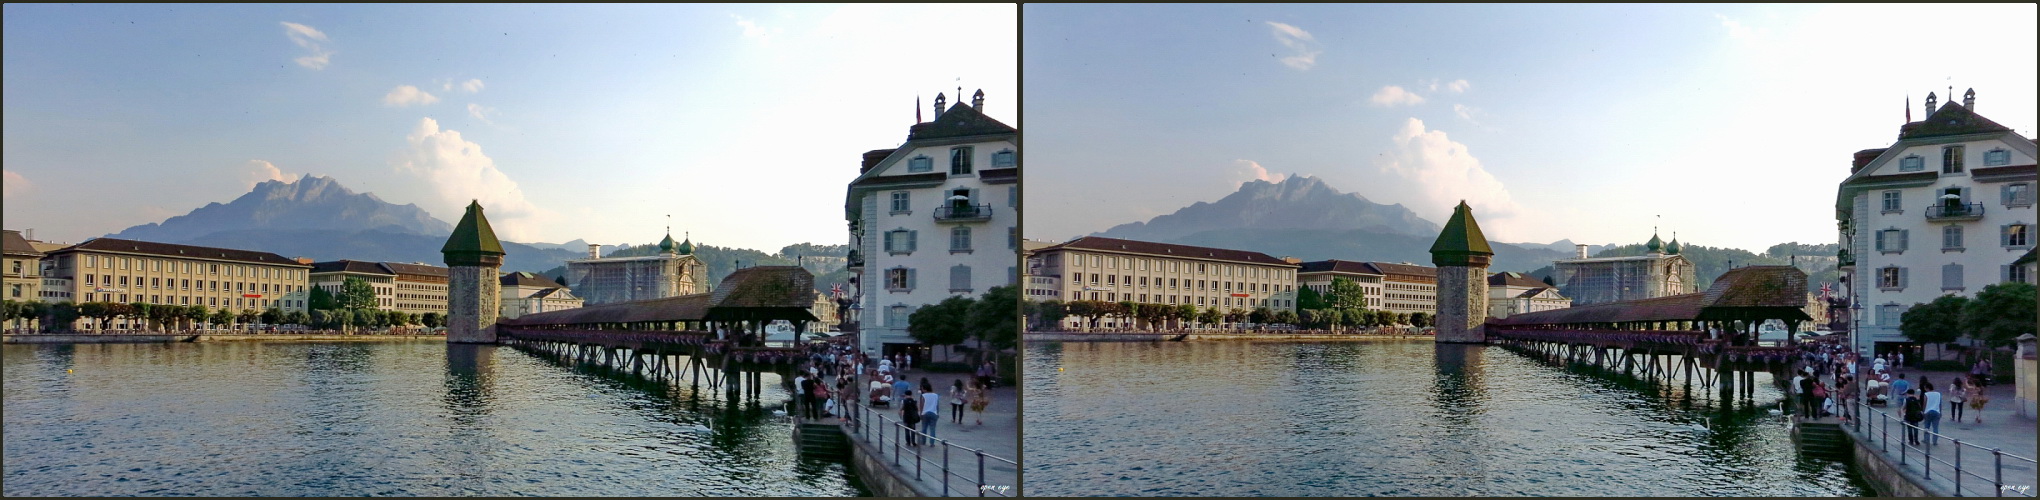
column 1179, row 338
column 193, row 338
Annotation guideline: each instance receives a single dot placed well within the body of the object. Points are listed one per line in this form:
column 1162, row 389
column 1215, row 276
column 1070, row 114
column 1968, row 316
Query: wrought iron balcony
column 963, row 213
column 856, row 259
column 1844, row 259
column 1947, row 212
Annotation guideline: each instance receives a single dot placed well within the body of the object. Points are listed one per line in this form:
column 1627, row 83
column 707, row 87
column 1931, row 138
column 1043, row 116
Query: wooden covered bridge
column 1704, row 335
column 715, row 337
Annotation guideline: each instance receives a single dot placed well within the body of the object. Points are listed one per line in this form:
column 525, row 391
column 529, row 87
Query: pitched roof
column 931, row 177
column 418, row 269
column 1460, row 240
column 180, row 251
column 1952, row 119
column 1905, row 177
column 872, row 158
column 999, row 175
column 1404, row 269
column 2027, row 258
column 767, row 286
column 960, row 120
column 12, row 243
column 2000, row 174
column 350, row 266
column 1758, row 286
column 1338, row 266
column 522, row 278
column 472, row 234
column 1168, row 250
column 682, row 308
column 1682, row 307
column 1515, row 279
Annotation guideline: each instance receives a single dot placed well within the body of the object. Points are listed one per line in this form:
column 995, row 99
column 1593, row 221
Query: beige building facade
column 128, row 271
column 414, row 288
column 1115, row 270
column 23, row 265
column 675, row 271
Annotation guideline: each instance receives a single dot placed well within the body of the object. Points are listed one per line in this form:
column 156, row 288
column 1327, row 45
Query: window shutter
column 889, row 246
column 1880, row 241
column 2005, row 235
column 1013, row 196
column 1904, row 239
column 2004, row 273
column 910, row 280
column 2005, row 194
column 913, row 240
column 1902, row 277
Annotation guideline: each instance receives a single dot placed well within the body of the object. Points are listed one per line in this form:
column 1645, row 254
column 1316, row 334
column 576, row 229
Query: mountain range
column 1305, row 218
column 317, row 217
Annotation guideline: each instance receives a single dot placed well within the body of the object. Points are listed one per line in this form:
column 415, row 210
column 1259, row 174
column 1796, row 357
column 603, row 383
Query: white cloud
column 481, row 112
column 1737, row 30
column 1296, row 39
column 1245, row 171
column 12, row 183
column 1459, row 85
column 473, row 85
column 753, row 31
column 457, row 172
column 1392, row 96
column 406, row 95
column 259, row 171
column 311, row 39
column 1466, row 112
column 1437, row 173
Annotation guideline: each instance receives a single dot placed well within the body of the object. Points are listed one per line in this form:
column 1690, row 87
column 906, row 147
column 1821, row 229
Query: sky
column 1731, row 125
column 745, row 123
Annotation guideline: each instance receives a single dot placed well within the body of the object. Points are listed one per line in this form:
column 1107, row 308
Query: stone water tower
column 1462, row 254
column 472, row 290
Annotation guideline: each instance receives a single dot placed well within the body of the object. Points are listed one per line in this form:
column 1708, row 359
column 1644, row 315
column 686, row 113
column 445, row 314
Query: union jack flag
column 1826, row 289
column 836, row 290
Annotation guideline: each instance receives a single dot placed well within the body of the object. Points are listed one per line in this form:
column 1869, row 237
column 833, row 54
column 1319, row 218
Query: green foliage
column 65, row 315
column 273, row 316
column 2000, row 313
column 1047, row 313
column 1937, row 322
column 357, row 293
column 433, row 320
column 320, row 299
column 247, row 316
column 1420, row 319
column 994, row 318
column 1346, row 294
column 165, row 315
column 1308, row 298
column 297, row 318
column 221, row 318
column 1209, row 315
column 942, row 323
column 1285, row 317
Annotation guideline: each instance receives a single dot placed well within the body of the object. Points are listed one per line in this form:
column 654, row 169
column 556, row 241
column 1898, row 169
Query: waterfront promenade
column 1882, row 430
column 998, row 437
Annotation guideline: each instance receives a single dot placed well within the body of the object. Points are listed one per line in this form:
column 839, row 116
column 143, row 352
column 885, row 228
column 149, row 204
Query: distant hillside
column 828, row 262
column 310, row 202
column 1310, row 244
column 1299, row 202
column 373, row 245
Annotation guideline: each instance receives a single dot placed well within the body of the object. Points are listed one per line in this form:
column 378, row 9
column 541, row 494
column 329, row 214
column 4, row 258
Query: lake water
column 1400, row 418
column 406, row 418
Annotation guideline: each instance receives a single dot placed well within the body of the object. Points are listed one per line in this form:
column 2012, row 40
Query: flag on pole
column 836, row 290
column 1825, row 290
column 917, row 109
column 1908, row 108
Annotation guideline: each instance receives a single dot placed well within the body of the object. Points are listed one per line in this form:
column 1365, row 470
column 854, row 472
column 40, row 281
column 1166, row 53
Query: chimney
column 303, row 260
column 594, row 251
column 939, row 104
column 29, row 233
column 977, row 101
column 1582, row 248
column 1969, row 99
column 1930, row 104
column 1292, row 260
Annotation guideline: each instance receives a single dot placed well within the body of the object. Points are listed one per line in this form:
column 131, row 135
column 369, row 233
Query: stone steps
column 1823, row 439
column 822, row 440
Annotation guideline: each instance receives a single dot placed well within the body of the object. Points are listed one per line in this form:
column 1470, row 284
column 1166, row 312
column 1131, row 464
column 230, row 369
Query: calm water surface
column 1389, row 418
column 377, row 418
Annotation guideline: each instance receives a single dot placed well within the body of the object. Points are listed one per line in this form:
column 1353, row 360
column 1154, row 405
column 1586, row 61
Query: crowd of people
column 1921, row 403
column 884, row 383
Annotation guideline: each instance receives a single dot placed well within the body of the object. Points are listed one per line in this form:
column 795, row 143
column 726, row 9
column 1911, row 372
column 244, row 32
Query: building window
column 899, row 279
column 1912, row 163
column 897, row 315
column 1951, row 237
column 1951, row 159
column 901, row 204
column 921, row 164
column 959, row 279
column 1005, row 158
column 959, row 239
column 1892, row 240
column 1997, row 158
column 1013, row 196
column 959, row 160
column 2017, row 235
column 91, row 261
column 1892, row 202
column 2017, row 195
column 1891, row 278
column 900, row 241
column 2016, row 274
column 1951, row 277
column 1094, row 279
column 1012, row 237
column 1889, row 314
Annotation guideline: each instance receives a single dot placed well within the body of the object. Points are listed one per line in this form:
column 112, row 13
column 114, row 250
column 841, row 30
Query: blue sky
column 744, row 122
column 1730, row 124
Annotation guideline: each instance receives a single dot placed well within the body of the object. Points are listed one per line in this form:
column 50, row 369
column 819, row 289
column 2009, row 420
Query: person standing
column 807, row 393
column 900, row 387
column 1901, row 387
column 1807, row 405
column 1933, row 411
column 800, row 390
column 931, row 412
column 1958, row 393
column 1914, row 411
column 956, row 398
column 1976, row 399
column 984, row 374
column 1980, row 372
column 910, row 414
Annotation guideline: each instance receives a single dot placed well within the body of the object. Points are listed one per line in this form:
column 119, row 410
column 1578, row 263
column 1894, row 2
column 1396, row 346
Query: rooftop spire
column 1461, row 242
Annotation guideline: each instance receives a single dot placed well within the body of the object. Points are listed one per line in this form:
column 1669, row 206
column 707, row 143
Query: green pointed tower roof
column 473, row 243
column 1461, row 243
column 1673, row 247
column 1655, row 245
column 686, row 246
column 666, row 245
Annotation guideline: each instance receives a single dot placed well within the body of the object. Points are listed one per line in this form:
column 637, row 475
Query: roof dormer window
column 1997, row 157
column 1951, row 159
column 1912, row 163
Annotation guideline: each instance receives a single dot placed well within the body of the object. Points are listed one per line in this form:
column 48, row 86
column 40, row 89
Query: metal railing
column 1957, row 211
column 928, row 452
column 1949, row 464
column 963, row 212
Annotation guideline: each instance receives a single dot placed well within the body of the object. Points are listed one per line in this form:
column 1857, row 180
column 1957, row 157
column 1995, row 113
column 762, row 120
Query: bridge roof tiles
column 682, row 308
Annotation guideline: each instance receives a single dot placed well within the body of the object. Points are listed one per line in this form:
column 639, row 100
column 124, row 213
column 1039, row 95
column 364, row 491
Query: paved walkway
column 2000, row 429
column 998, row 436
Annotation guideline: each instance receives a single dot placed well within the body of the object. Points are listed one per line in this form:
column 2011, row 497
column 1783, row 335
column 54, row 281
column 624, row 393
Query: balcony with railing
column 1955, row 212
column 963, row 213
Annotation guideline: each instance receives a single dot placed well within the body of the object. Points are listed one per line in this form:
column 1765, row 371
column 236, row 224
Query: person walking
column 980, row 397
column 956, row 399
column 1976, row 399
column 985, row 372
column 910, row 414
column 1914, row 411
column 900, row 387
column 1980, row 372
column 1933, row 411
column 931, row 411
column 1958, row 393
column 1901, row 387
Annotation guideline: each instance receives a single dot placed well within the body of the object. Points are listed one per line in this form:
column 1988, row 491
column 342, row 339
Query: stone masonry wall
column 1462, row 304
column 472, row 301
